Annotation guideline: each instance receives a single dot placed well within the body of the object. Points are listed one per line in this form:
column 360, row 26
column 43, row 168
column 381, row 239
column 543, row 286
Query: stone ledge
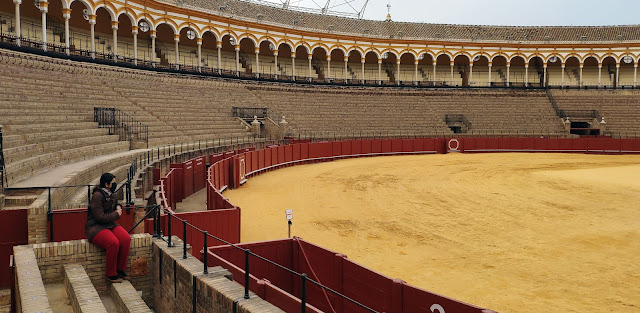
column 83, row 296
column 31, row 295
column 127, row 299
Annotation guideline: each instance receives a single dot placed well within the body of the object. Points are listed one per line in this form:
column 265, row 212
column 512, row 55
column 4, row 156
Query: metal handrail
column 157, row 233
column 121, row 123
column 3, row 173
column 249, row 113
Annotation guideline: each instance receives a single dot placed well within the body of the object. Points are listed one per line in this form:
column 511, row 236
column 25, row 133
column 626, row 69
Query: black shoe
column 123, row 275
column 114, row 279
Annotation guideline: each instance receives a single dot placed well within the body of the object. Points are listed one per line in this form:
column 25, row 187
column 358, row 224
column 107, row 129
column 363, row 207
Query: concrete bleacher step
column 127, row 299
column 82, row 294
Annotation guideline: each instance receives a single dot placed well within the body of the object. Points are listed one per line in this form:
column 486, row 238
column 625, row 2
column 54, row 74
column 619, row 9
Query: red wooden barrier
column 178, row 193
column 356, row 147
column 199, row 173
column 13, row 232
column 187, row 179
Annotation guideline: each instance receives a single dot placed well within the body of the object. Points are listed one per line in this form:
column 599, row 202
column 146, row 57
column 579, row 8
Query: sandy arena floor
column 510, row 232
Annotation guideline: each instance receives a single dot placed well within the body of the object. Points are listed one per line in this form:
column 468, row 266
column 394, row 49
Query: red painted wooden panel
column 366, row 146
column 281, row 156
column 386, row 146
column 337, row 148
column 420, row 301
column 288, row 153
column 540, row 143
column 396, row 145
column 345, row 147
column 304, row 151
column 376, row 146
column 199, row 173
column 267, row 157
column 13, row 232
column 261, row 156
column 187, row 179
column 407, row 145
column 356, row 147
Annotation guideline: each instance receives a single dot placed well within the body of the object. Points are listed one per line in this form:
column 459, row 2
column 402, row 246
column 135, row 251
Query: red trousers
column 116, row 241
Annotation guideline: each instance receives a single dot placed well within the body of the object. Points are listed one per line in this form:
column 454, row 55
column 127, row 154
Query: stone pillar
column 176, row 40
column 219, row 46
column 92, row 24
column 599, row 74
column 275, row 61
column 415, row 71
column 470, row 72
column 18, row 30
column 635, row 74
column 562, row 66
column 134, row 32
column 346, row 68
column 451, row 76
column 237, row 48
column 293, row 62
column 114, row 47
column 526, row 74
column 435, row 63
column 257, row 69
column 199, row 43
column 544, row 74
column 153, row 47
column 328, row 67
column 490, row 64
column 398, row 72
column 44, row 8
column 580, row 78
column 283, row 127
column 66, row 14
column 617, row 82
column 379, row 71
column 37, row 225
column 508, row 73
column 362, row 62
column 310, row 57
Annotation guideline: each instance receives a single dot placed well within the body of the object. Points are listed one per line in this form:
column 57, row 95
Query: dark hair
column 106, row 178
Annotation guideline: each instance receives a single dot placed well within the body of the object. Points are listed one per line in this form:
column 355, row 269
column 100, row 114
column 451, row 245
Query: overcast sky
column 498, row 12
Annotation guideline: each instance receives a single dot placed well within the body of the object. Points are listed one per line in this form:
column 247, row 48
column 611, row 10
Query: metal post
column 246, row 273
column 303, row 298
column 169, row 243
column 184, row 239
column 205, row 252
column 155, row 224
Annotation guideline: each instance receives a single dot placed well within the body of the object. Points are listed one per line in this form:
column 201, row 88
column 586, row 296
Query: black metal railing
column 249, row 113
column 156, row 210
column 560, row 113
column 457, row 118
column 121, row 124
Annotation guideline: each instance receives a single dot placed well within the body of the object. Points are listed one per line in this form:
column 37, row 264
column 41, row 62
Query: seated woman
column 102, row 230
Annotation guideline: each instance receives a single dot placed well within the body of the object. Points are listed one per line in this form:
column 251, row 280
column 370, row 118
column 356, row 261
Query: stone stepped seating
column 32, row 296
column 619, row 108
column 82, row 294
column 127, row 299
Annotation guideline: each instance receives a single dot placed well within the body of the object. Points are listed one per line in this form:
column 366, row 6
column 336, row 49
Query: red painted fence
column 283, row 289
column 13, row 231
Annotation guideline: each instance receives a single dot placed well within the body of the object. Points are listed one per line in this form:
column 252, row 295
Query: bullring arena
column 430, row 167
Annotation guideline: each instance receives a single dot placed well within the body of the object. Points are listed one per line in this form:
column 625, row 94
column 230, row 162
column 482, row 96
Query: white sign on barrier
column 289, row 215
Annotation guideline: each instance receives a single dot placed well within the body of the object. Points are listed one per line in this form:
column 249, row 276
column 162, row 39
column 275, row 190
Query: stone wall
column 52, row 256
column 174, row 279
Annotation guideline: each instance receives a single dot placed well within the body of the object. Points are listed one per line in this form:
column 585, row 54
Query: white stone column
column 415, row 71
column 544, row 74
column 237, row 48
column 310, row 57
column 199, row 43
column 398, row 72
column 134, row 32
column 44, row 8
column 114, row 47
column 328, row 67
column 379, row 71
column 66, row 14
column 617, row 82
column 153, row 47
column 92, row 24
column 508, row 73
column 346, row 68
column 470, row 72
column 176, row 40
column 275, row 58
column 580, row 78
column 452, row 64
column 18, row 27
column 219, row 47
column 526, row 74
column 257, row 52
column 362, row 62
column 635, row 74
column 293, row 66
column 490, row 65
column 562, row 66
column 435, row 63
column 599, row 74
